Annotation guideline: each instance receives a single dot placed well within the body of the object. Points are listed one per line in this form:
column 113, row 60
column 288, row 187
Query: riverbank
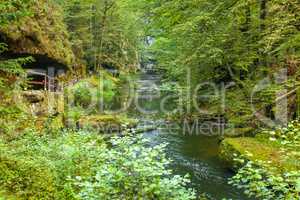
column 267, row 165
column 192, row 154
column 73, row 160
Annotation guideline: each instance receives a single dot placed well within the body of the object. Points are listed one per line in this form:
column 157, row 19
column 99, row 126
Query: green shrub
column 80, row 165
column 109, row 90
column 73, row 115
column 89, row 93
column 39, row 167
column 265, row 180
column 129, row 170
column 259, row 180
column 26, row 178
column 82, row 94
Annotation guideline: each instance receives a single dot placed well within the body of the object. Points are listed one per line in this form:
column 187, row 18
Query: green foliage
column 256, row 179
column 10, row 68
column 61, row 156
column 18, row 176
column 12, row 74
column 11, row 79
column 89, row 93
column 288, row 137
column 265, row 179
column 82, row 94
column 13, row 121
column 109, row 90
column 132, row 170
column 13, row 10
column 225, row 42
column 73, row 115
column 80, row 165
column 104, row 32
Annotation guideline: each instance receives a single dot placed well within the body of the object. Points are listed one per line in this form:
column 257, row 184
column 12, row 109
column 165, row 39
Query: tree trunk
column 262, row 17
column 263, row 14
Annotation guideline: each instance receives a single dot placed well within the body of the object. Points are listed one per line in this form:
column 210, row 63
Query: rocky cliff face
column 44, row 34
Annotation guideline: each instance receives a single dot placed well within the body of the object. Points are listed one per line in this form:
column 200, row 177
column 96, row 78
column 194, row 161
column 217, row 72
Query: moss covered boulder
column 107, row 123
column 255, row 148
column 238, row 132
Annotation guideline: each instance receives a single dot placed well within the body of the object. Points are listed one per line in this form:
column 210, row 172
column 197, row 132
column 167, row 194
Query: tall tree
column 223, row 42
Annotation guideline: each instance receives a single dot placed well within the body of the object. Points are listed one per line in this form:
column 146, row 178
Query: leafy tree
column 11, row 71
column 223, row 42
column 104, row 32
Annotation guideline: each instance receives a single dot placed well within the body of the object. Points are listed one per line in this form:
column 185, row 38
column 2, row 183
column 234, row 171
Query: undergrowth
column 263, row 179
column 82, row 165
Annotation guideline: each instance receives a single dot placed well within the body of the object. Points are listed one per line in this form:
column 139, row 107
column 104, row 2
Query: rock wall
column 43, row 33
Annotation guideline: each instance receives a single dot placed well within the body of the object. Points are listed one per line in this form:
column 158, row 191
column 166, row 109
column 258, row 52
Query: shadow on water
column 195, row 155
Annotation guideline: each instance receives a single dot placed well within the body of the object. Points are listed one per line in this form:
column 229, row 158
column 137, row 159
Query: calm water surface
column 193, row 155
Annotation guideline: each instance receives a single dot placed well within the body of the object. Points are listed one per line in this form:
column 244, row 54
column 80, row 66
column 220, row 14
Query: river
column 196, row 155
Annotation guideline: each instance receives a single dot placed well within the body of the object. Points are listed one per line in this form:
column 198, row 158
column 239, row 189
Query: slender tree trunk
column 108, row 5
column 262, row 17
column 245, row 29
column 263, row 14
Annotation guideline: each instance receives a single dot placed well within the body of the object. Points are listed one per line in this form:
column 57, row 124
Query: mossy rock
column 107, row 122
column 255, row 149
column 34, row 96
column 40, row 34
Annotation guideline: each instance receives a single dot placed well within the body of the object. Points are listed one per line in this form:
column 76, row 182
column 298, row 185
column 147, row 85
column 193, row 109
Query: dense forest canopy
column 101, row 32
column 104, row 32
column 227, row 41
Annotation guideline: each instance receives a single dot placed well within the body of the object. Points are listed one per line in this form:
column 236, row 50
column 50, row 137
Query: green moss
column 5, row 196
column 256, row 149
column 41, row 34
column 54, row 123
column 106, row 122
column 236, row 132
